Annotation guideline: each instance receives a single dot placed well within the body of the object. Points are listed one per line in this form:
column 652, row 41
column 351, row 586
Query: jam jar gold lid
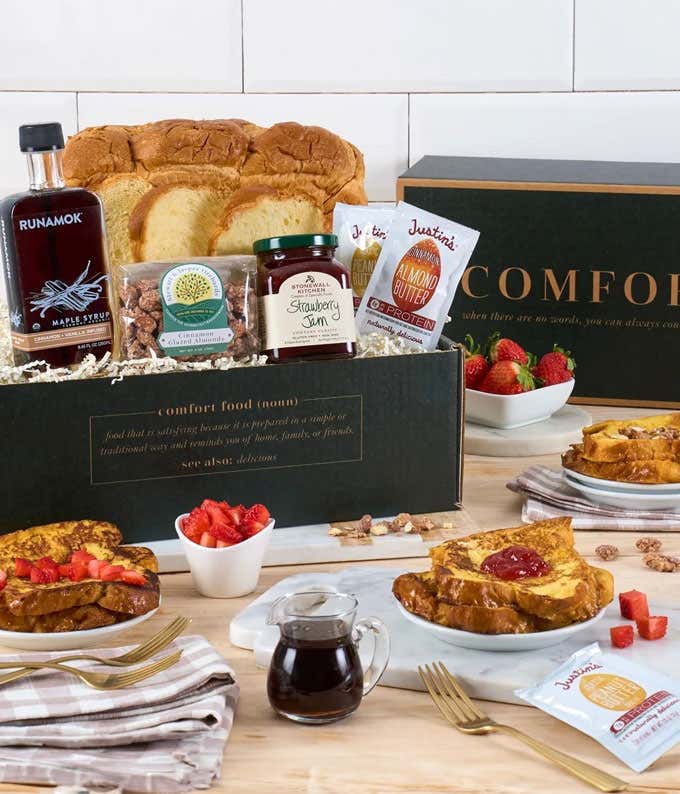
column 294, row 241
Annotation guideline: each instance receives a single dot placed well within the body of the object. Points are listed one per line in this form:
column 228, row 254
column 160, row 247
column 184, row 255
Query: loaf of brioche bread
column 180, row 188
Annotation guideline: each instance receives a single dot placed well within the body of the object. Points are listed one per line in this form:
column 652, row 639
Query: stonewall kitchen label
column 310, row 308
column 194, row 311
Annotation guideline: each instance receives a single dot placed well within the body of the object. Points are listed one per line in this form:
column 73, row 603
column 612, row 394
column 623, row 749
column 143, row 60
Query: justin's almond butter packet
column 361, row 231
column 416, row 276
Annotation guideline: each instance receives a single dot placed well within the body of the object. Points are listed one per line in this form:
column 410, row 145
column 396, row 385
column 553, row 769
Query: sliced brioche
column 649, row 472
column 96, row 153
column 644, row 438
column 174, row 221
column 260, row 211
column 120, row 195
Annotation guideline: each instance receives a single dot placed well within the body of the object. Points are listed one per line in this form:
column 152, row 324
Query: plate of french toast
column 71, row 584
column 516, row 589
column 631, row 463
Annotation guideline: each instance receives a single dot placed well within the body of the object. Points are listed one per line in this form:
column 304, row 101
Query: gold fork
column 456, row 707
column 141, row 653
column 110, row 680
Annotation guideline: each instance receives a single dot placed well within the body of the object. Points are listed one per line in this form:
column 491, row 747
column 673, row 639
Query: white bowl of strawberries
column 506, row 387
column 224, row 545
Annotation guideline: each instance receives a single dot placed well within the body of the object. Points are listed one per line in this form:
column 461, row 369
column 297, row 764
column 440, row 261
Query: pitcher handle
column 381, row 649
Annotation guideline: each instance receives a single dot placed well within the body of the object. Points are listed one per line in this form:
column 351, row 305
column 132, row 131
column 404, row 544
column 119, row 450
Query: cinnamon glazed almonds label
column 310, row 308
column 194, row 311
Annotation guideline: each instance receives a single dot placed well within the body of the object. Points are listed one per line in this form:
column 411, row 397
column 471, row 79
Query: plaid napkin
column 547, row 495
column 166, row 734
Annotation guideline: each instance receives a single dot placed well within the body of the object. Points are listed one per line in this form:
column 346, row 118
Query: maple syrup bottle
column 54, row 260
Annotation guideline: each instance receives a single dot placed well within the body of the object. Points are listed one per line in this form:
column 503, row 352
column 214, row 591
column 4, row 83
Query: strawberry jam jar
column 306, row 306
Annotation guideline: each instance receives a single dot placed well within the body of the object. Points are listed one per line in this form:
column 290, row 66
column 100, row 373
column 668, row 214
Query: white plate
column 515, row 410
column 626, row 499
column 68, row 640
column 614, row 485
column 499, row 642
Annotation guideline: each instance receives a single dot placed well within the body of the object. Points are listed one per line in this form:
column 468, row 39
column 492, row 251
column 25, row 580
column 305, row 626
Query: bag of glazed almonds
column 194, row 309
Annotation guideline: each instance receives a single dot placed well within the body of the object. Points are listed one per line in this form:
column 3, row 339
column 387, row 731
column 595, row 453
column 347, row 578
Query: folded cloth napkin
column 166, row 734
column 547, row 495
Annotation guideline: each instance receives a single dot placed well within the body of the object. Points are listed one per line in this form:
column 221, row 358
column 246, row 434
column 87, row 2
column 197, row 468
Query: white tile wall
column 431, row 45
column 627, row 44
column 137, row 45
column 592, row 126
column 376, row 123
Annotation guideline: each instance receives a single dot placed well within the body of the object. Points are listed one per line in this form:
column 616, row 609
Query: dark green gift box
column 584, row 254
column 314, row 441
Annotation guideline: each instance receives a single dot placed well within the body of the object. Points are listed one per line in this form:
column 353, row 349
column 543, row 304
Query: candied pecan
column 648, row 544
column 380, row 528
column 146, row 284
column 400, row 522
column 129, row 295
column 425, row 524
column 606, row 551
column 410, row 528
column 365, row 523
column 662, row 562
column 135, row 350
column 150, row 300
column 144, row 322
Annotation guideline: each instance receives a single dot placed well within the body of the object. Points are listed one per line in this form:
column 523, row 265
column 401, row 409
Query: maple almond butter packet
column 415, row 278
column 361, row 231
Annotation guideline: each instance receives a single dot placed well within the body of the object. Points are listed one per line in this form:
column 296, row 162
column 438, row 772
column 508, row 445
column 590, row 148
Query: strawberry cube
column 622, row 636
column 633, row 605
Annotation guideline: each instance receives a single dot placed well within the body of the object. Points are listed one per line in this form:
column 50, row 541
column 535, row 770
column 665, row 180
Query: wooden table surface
column 396, row 741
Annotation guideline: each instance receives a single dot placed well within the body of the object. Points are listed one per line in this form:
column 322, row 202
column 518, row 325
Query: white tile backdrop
column 553, row 78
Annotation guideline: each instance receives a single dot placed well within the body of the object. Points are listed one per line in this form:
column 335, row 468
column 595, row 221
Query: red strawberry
column 66, row 570
column 47, row 564
column 507, row 377
column 476, row 365
column 222, row 544
column 195, row 524
column 44, row 575
column 236, row 514
column 226, row 533
column 217, row 511
column 111, row 573
column 94, row 568
column 133, row 577
column 502, row 349
column 622, row 636
column 208, row 540
column 555, row 367
column 22, row 567
column 653, row 627
column 78, row 572
column 3, row 579
column 633, row 605
column 82, row 557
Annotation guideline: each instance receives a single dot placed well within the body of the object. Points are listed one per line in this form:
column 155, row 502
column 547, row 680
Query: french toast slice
column 651, row 471
column 459, row 594
column 642, row 439
column 26, row 603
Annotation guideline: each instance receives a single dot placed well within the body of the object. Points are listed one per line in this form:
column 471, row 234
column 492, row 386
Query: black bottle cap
column 41, row 137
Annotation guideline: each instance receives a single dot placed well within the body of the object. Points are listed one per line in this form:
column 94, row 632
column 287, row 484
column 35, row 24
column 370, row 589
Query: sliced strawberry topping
column 111, row 573
column 622, row 636
column 94, row 568
column 258, row 513
column 236, row 514
column 66, row 570
column 47, row 564
column 82, row 557
column 44, row 575
column 78, row 572
column 22, row 567
column 133, row 577
column 3, row 579
column 226, row 533
column 653, row 627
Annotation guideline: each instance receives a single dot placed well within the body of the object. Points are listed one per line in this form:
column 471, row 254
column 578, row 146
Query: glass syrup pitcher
column 316, row 675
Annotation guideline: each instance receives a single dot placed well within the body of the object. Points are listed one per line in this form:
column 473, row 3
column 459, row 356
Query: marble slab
column 542, row 438
column 311, row 544
column 486, row 675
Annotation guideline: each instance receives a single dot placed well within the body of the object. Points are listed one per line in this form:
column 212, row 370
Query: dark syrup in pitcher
column 315, row 675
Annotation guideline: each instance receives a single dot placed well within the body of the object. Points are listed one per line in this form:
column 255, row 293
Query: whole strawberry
column 476, row 365
column 508, row 377
column 502, row 349
column 555, row 367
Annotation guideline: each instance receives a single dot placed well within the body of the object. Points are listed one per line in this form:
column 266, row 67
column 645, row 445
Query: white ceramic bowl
column 69, row 640
column 229, row 572
column 500, row 642
column 516, row 410
column 629, row 500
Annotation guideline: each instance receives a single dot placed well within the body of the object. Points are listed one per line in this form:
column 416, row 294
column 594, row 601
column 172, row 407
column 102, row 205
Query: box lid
column 505, row 169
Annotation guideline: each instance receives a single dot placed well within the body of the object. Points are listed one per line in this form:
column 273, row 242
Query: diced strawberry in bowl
column 224, row 546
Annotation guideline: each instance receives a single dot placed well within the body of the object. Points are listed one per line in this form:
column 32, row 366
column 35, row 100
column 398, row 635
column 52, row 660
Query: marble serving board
column 554, row 434
column 305, row 545
column 486, row 675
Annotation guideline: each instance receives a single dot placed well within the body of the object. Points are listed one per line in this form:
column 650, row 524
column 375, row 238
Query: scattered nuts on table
column 606, row 551
column 662, row 562
column 380, row 528
column 648, row 544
